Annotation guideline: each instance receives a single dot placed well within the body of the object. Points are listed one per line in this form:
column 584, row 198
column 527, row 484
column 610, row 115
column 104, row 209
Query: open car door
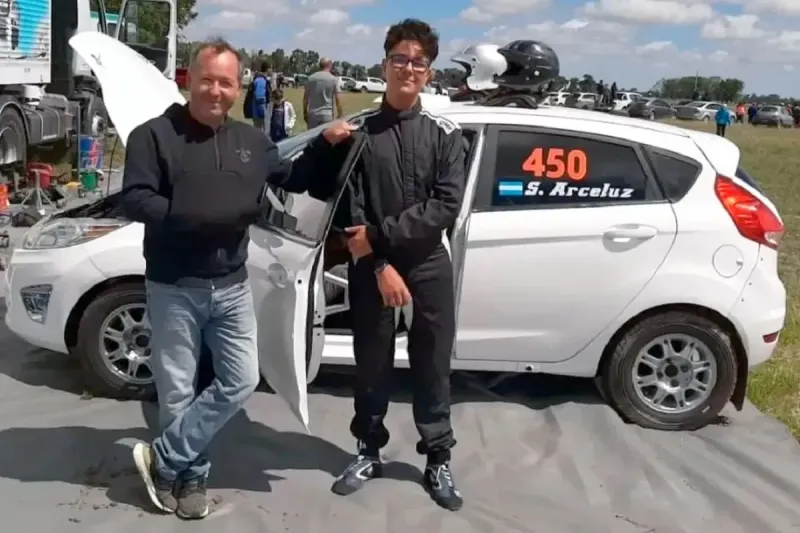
column 286, row 268
column 151, row 28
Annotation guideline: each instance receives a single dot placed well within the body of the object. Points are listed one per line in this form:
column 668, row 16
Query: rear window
column 675, row 173
column 745, row 176
column 769, row 109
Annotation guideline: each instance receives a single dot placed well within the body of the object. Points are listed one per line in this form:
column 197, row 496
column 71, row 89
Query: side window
column 550, row 170
column 676, row 174
column 714, row 107
column 660, row 103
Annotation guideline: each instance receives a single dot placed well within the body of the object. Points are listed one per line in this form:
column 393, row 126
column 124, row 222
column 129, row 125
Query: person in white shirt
column 280, row 117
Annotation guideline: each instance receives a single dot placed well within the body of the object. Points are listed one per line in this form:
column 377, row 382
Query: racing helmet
column 482, row 63
column 530, row 65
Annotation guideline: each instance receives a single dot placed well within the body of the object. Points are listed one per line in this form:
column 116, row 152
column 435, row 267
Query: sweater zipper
column 216, row 152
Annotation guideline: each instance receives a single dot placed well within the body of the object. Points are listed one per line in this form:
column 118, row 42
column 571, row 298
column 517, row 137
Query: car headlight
column 64, row 232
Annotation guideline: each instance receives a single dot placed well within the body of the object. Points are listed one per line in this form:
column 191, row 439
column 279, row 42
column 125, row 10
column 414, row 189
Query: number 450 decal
column 557, row 163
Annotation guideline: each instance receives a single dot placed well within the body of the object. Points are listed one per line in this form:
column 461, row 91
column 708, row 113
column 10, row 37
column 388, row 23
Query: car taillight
column 754, row 219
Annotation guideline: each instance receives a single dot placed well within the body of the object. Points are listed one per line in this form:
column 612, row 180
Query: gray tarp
column 543, row 455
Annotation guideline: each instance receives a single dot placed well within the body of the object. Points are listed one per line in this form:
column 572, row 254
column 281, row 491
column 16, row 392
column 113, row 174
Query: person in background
column 752, row 111
column 281, row 117
column 740, row 112
column 723, row 118
column 261, row 92
column 320, row 94
column 613, row 91
column 280, row 82
column 796, row 115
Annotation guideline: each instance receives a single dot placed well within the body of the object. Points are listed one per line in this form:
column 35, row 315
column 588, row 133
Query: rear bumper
column 760, row 311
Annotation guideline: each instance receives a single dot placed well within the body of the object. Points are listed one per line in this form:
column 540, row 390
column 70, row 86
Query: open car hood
column 134, row 90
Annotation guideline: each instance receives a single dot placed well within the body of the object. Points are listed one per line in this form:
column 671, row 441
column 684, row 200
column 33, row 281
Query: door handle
column 630, row 232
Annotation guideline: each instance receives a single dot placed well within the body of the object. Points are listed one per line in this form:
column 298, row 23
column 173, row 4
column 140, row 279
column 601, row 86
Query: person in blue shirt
column 261, row 94
column 723, row 119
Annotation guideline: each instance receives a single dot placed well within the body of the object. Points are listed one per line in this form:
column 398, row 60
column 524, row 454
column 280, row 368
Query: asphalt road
column 539, row 454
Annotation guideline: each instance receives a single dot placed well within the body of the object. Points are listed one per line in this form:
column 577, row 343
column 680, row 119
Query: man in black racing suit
column 405, row 192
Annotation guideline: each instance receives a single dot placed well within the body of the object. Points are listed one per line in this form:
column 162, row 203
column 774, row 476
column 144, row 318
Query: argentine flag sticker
column 510, row 187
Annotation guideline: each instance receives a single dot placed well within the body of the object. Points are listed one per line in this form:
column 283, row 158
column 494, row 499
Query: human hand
column 392, row 287
column 338, row 131
column 357, row 242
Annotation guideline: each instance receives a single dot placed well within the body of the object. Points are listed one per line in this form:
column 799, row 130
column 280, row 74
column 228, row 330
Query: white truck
column 47, row 93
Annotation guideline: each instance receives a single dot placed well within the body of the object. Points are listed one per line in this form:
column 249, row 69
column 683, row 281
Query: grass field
column 772, row 156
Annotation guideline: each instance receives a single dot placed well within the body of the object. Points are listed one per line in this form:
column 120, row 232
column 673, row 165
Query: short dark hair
column 413, row 30
column 218, row 46
column 277, row 94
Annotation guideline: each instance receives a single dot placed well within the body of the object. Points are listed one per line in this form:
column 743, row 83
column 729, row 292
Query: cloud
column 678, row 12
column 489, row 10
column 572, row 37
column 733, row 27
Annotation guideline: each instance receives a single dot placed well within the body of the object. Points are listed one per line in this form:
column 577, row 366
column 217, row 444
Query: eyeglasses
column 418, row 64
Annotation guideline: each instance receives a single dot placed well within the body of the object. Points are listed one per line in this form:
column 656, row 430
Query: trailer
column 48, row 94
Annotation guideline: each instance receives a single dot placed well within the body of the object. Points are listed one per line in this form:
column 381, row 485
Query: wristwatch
column 380, row 265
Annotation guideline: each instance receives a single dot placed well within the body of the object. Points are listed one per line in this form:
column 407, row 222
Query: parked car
column 367, row 85
column 651, row 109
column 581, row 100
column 558, row 98
column 773, row 115
column 624, row 100
column 247, row 77
column 343, row 81
column 588, row 244
column 700, row 110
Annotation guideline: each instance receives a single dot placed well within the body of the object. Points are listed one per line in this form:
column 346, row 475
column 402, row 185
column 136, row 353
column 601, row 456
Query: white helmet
column 483, row 62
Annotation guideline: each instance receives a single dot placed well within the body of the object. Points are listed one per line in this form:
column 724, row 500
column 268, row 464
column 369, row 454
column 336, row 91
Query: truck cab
column 48, row 94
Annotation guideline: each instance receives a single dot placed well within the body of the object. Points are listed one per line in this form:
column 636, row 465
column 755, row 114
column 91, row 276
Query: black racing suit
column 407, row 187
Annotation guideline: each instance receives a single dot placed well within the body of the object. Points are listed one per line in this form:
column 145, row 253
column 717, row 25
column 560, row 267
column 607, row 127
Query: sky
column 633, row 42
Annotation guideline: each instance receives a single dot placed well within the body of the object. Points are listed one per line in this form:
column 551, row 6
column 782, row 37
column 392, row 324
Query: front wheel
column 363, row 89
column 114, row 344
column 673, row 372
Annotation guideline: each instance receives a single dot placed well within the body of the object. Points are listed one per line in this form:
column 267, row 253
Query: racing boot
column 438, row 482
column 367, row 465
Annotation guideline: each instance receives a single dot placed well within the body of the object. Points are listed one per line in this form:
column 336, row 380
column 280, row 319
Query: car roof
column 477, row 114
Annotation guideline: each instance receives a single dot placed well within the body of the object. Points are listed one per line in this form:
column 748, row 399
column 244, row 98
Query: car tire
column 617, row 381
column 706, row 119
column 99, row 378
column 363, row 89
column 651, row 116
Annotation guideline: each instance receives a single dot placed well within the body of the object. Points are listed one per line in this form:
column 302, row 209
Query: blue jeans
column 181, row 319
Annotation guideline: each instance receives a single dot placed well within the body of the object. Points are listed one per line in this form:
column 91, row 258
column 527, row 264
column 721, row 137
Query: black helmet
column 530, row 64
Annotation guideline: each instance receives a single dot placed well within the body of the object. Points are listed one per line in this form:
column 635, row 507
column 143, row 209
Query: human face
column 213, row 85
column 407, row 70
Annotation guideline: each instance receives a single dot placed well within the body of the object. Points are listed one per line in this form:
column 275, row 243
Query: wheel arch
column 75, row 316
column 739, row 392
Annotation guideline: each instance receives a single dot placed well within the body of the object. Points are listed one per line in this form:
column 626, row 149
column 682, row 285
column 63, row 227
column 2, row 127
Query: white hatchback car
column 587, row 245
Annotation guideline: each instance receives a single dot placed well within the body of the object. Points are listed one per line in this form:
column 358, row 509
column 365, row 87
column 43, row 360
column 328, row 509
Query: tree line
column 306, row 62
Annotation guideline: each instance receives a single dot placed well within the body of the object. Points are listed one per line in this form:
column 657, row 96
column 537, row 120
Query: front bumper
column 67, row 272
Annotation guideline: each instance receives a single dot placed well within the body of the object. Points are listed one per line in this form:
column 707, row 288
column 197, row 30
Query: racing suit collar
column 402, row 114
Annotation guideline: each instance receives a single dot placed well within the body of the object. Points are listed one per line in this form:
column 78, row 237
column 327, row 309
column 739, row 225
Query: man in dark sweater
column 195, row 179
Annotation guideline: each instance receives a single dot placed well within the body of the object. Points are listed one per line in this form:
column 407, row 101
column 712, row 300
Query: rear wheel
column 674, row 371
